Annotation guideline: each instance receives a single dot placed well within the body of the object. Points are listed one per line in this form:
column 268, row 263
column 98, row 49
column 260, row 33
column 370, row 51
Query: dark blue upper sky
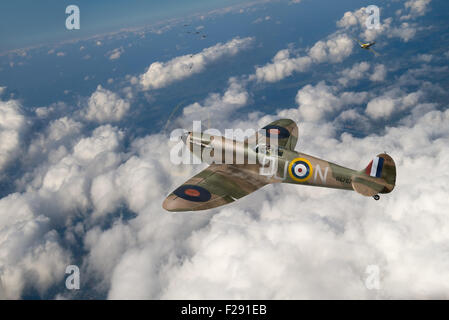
column 27, row 22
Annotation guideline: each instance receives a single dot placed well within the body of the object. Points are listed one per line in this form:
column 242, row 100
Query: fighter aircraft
column 367, row 46
column 276, row 161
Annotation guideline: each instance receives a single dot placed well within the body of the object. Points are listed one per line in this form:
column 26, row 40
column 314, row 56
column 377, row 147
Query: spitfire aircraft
column 276, row 161
column 367, row 46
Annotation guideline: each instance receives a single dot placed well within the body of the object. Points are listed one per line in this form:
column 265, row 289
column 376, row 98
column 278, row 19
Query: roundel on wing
column 300, row 169
column 278, row 131
column 193, row 193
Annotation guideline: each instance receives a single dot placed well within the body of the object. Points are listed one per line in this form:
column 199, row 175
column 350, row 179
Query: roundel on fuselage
column 300, row 169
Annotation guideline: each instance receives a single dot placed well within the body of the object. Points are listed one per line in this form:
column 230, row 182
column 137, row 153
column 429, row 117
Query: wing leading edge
column 215, row 186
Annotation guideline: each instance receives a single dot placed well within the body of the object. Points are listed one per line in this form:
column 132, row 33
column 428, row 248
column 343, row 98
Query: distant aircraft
column 367, row 46
column 220, row 184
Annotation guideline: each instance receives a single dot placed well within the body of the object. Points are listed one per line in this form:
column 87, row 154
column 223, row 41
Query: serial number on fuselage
column 343, row 179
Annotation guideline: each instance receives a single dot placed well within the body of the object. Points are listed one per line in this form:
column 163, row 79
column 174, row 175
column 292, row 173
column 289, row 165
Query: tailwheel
column 376, row 197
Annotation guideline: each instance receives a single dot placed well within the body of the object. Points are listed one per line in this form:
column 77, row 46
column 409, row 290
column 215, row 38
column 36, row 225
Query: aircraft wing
column 215, row 186
column 359, row 42
column 286, row 131
column 373, row 51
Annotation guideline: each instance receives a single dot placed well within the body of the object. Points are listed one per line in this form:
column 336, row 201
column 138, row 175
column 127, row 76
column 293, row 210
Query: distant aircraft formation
column 195, row 32
column 221, row 183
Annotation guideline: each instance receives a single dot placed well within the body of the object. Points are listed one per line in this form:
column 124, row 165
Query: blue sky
column 27, row 22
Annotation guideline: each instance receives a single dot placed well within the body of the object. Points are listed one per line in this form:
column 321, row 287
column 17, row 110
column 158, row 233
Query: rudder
column 379, row 176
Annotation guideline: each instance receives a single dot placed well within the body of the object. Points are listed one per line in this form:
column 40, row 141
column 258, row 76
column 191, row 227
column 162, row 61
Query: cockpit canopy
column 269, row 150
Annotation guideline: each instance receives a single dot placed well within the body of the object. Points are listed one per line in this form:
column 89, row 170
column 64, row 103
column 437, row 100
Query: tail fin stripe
column 379, row 167
column 376, row 167
column 368, row 168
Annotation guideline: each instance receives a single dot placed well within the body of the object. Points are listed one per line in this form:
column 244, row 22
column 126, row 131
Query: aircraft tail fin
column 378, row 177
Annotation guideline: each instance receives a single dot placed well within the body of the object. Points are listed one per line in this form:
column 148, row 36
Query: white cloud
column 354, row 21
column 115, row 54
column 333, row 50
column 12, row 125
column 356, row 72
column 30, row 254
column 217, row 106
column 53, row 143
column 405, row 31
column 425, row 57
column 351, row 19
column 106, row 106
column 104, row 139
column 416, row 8
column 363, row 70
column 106, row 249
column 161, row 74
column 320, row 102
column 392, row 102
column 262, row 19
column 282, row 66
column 57, row 190
column 379, row 74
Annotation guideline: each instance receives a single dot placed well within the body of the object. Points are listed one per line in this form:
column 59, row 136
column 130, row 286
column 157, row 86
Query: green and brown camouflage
column 224, row 182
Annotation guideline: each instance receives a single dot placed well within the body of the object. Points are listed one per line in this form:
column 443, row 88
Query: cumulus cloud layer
column 415, row 8
column 12, row 125
column 392, row 102
column 334, row 49
column 161, row 74
column 106, row 106
column 220, row 107
column 363, row 70
column 116, row 53
column 321, row 102
column 246, row 256
column 355, row 21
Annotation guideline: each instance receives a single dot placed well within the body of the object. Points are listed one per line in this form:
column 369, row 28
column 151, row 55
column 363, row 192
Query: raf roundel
column 277, row 131
column 300, row 169
column 193, row 193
